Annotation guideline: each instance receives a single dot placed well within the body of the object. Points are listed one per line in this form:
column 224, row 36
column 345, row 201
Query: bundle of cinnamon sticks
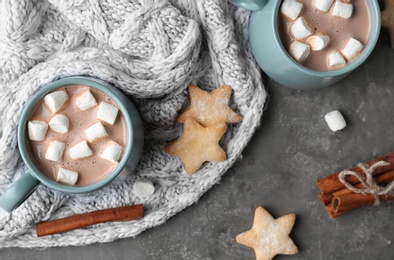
column 338, row 199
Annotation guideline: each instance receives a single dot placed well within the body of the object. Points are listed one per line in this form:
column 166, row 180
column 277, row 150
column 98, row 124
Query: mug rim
column 374, row 12
column 22, row 132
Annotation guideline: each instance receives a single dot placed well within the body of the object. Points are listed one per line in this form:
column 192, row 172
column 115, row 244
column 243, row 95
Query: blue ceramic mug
column 252, row 5
column 275, row 61
column 20, row 190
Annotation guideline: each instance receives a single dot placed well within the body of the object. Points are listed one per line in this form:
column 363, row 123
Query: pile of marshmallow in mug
column 55, row 101
column 37, row 130
column 301, row 29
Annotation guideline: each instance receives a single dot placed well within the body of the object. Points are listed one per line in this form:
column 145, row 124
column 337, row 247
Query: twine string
column 369, row 186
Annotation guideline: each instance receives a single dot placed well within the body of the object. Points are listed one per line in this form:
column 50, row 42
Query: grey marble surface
column 292, row 148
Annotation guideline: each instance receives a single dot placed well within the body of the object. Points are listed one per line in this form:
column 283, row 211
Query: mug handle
column 18, row 192
column 252, row 5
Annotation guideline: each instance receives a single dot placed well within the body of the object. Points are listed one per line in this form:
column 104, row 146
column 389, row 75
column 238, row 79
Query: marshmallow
column 95, row 131
column 59, row 123
column 291, row 8
column 56, row 100
column 107, row 112
column 143, row 188
column 85, row 100
column 299, row 51
column 37, row 130
column 323, row 5
column 55, row 151
column 66, row 176
column 352, row 49
column 318, row 41
column 336, row 60
column 335, row 120
column 301, row 29
column 112, row 152
column 342, row 9
column 80, row 150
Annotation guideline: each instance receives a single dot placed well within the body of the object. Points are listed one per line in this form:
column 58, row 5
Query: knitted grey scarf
column 150, row 49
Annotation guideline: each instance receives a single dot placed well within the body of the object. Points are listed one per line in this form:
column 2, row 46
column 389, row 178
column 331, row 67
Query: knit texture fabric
column 150, row 49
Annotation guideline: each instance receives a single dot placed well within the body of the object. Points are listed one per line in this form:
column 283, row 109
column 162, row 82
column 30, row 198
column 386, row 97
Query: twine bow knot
column 368, row 182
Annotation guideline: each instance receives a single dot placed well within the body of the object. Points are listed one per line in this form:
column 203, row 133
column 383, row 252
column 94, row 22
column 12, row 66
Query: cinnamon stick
column 332, row 183
column 325, row 198
column 346, row 202
column 331, row 213
column 82, row 220
column 383, row 178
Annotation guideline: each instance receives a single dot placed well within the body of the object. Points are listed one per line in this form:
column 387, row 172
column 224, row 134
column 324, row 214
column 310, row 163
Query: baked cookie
column 210, row 108
column 197, row 145
column 388, row 19
column 268, row 236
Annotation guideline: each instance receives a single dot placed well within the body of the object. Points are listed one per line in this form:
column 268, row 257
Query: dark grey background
column 292, row 148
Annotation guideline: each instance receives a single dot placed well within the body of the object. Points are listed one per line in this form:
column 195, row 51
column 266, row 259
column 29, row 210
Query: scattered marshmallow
column 301, row 28
column 95, row 132
column 336, row 60
column 299, row 51
column 352, row 49
column 85, row 100
column 335, row 120
column 55, row 151
column 342, row 9
column 37, row 130
column 318, row 41
column 59, row 123
column 112, row 152
column 323, row 5
column 143, row 188
column 291, row 8
column 80, row 150
column 107, row 112
column 56, row 100
column 66, row 176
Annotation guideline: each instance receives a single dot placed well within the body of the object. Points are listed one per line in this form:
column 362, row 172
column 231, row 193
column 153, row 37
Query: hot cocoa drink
column 77, row 135
column 324, row 35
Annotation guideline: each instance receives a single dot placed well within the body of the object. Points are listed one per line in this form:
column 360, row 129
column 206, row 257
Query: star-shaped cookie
column 210, row 108
column 268, row 236
column 197, row 145
column 388, row 19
